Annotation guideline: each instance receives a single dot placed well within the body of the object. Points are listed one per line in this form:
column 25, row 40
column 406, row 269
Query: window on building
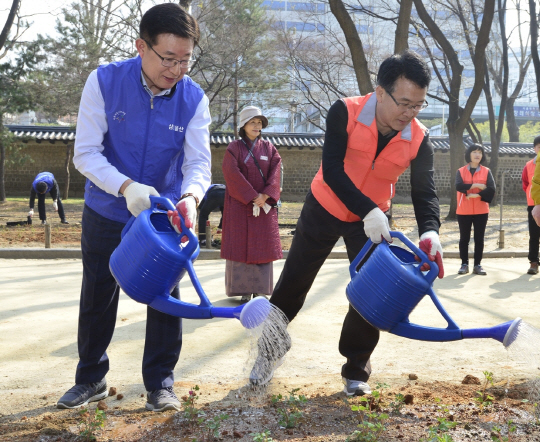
column 274, row 5
column 305, row 7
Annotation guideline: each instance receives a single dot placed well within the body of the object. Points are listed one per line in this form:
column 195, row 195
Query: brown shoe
column 534, row 269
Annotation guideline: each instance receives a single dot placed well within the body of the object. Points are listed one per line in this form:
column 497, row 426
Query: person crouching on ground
column 43, row 184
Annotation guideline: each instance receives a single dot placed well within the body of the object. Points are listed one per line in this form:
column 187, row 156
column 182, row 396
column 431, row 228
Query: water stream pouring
column 151, row 259
column 387, row 284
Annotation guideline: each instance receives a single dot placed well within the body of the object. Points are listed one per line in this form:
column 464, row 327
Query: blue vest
column 47, row 177
column 145, row 144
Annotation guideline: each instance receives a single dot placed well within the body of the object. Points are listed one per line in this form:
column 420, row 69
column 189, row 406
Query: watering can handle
column 414, row 331
column 431, row 275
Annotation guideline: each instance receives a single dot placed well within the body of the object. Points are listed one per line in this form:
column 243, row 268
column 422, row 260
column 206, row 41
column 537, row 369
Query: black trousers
column 212, row 202
column 99, row 305
column 534, row 236
column 41, row 207
column 316, row 234
column 479, row 223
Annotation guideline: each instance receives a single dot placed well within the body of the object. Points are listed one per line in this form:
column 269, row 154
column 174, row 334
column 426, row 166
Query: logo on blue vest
column 120, row 116
column 176, row 128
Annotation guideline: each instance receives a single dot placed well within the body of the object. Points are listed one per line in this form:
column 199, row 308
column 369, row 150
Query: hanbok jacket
column 247, row 238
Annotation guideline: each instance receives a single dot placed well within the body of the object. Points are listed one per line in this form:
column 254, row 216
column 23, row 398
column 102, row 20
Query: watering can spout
column 250, row 315
column 505, row 333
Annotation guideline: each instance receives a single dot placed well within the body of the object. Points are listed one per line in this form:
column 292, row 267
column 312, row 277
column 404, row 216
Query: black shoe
column 533, row 270
column 464, row 269
column 478, row 270
column 43, row 221
column 80, row 394
column 161, row 400
column 64, row 221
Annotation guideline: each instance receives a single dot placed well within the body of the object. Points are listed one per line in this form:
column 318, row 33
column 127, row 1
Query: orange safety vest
column 473, row 206
column 375, row 177
column 529, row 167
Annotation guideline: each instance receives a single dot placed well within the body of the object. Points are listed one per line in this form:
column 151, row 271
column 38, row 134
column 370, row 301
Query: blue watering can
column 151, row 259
column 387, row 284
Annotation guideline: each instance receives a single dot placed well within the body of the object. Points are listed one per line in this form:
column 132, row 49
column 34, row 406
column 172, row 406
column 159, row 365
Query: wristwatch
column 193, row 196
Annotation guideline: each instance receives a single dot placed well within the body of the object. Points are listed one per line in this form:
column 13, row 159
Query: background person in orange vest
column 369, row 142
column 475, row 189
column 534, row 229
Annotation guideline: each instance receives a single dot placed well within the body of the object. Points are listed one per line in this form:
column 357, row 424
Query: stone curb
column 205, row 254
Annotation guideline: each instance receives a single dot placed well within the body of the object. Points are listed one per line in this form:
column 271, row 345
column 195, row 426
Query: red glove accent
column 425, row 246
column 187, row 210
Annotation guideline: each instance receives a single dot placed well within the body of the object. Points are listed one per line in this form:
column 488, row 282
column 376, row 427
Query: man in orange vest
column 369, row 142
column 534, row 229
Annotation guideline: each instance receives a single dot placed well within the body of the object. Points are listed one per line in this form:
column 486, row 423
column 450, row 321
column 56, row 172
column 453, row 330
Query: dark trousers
column 41, row 207
column 212, row 202
column 99, row 305
column 316, row 234
column 534, row 236
column 479, row 223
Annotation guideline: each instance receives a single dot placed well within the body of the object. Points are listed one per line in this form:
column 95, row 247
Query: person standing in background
column 534, row 229
column 43, row 184
column 250, row 240
column 475, row 188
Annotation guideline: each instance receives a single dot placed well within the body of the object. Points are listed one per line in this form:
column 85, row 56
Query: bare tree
column 14, row 96
column 236, row 62
column 354, row 43
column 402, row 27
column 450, row 72
column 534, row 44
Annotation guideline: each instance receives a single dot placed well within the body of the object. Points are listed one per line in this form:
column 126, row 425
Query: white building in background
column 314, row 17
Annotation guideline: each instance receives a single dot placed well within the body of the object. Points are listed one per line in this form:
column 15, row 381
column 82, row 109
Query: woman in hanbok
column 250, row 239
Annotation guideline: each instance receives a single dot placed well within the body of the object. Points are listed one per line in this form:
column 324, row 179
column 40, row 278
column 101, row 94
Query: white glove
column 55, row 205
column 266, row 208
column 138, row 197
column 376, row 226
column 256, row 210
column 31, row 213
column 431, row 244
column 186, row 207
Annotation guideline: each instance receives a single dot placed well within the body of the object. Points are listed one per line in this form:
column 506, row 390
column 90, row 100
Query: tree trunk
column 457, row 153
column 402, row 29
column 9, row 22
column 65, row 195
column 354, row 43
column 235, row 104
column 511, row 125
column 534, row 44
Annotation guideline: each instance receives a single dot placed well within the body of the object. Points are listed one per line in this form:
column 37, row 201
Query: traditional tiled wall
column 300, row 166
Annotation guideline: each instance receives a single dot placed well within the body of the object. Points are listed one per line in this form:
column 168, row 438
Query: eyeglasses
column 405, row 106
column 171, row 62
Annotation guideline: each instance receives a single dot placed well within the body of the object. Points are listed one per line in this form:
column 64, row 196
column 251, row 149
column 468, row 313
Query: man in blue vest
column 43, row 184
column 142, row 130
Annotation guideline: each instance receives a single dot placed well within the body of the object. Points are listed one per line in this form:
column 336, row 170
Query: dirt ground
column 451, row 406
column 68, row 236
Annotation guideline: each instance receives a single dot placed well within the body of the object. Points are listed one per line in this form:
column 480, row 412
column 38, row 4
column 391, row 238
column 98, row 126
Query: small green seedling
column 397, row 404
column 496, row 432
column 262, row 437
column 190, row 411
column 371, row 426
column 212, row 425
column 91, row 423
column 290, row 412
column 482, row 398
